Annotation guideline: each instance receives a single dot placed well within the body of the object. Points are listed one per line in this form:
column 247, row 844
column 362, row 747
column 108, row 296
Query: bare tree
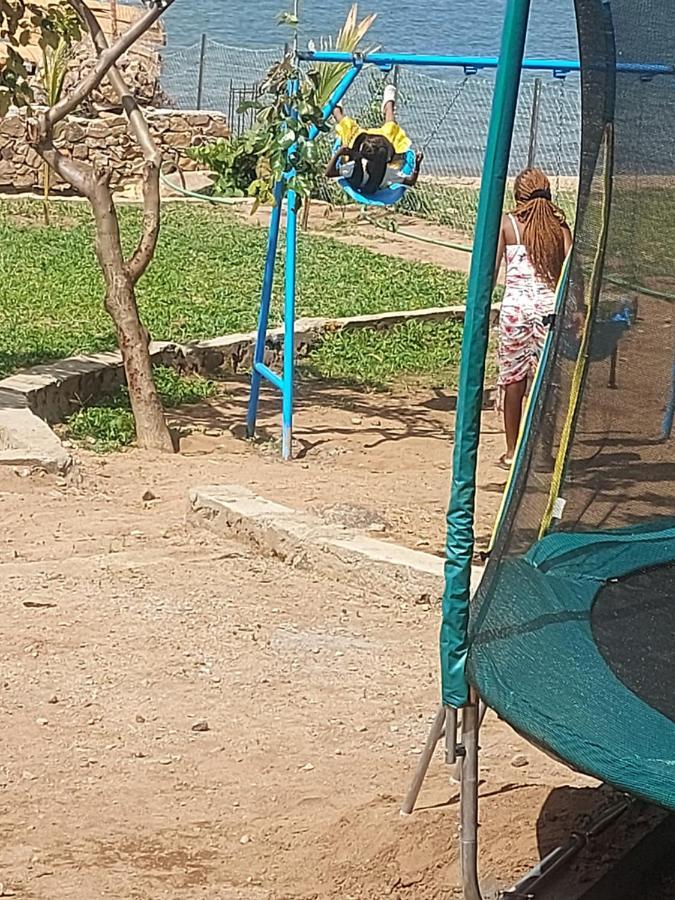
column 121, row 274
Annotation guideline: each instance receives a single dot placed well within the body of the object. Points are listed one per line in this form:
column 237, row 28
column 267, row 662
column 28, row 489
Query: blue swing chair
column 386, row 196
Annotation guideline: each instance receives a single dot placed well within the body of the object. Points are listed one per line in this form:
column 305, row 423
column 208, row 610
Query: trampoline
column 577, row 653
column 569, row 637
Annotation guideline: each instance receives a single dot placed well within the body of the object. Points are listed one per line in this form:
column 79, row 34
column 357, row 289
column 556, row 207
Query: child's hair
column 376, row 152
column 543, row 222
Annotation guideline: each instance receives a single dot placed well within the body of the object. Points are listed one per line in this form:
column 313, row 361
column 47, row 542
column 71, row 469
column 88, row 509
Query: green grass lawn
column 205, row 280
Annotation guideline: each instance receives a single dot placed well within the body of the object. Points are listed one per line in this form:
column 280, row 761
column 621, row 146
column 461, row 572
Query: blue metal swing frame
column 284, row 382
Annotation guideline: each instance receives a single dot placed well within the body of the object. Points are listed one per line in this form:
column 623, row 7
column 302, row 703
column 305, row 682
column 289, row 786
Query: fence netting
column 445, row 112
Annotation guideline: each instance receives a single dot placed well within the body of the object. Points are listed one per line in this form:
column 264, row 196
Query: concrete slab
column 305, row 540
column 25, row 440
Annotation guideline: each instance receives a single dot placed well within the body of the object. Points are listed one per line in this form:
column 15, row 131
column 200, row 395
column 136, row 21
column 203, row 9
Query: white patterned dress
column 527, row 301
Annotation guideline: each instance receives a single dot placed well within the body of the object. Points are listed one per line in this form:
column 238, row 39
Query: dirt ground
column 184, row 718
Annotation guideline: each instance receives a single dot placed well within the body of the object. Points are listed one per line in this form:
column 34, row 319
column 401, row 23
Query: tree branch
column 142, row 256
column 107, row 59
column 77, row 175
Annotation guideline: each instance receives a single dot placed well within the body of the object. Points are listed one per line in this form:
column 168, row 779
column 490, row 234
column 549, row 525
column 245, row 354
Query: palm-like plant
column 55, row 62
column 348, row 40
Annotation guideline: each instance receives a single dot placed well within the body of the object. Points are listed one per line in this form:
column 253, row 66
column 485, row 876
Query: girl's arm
column 567, row 237
column 332, row 167
column 411, row 180
column 501, row 246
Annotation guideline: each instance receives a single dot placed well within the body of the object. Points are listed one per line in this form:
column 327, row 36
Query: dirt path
column 182, row 718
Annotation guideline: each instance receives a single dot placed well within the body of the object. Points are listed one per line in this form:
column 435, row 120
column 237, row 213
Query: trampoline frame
column 457, row 692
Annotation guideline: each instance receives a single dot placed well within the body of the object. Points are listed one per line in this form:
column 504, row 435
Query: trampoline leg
column 468, row 808
column 612, row 369
column 435, row 734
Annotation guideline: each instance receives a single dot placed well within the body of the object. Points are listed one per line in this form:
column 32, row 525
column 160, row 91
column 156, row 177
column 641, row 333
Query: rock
column 148, row 496
column 357, row 420
column 201, row 726
column 377, row 527
column 42, row 721
column 53, row 699
column 308, row 767
column 245, row 839
column 520, row 761
column 140, row 719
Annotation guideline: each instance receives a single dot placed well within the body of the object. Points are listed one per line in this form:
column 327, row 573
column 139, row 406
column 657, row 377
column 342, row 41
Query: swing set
column 385, row 197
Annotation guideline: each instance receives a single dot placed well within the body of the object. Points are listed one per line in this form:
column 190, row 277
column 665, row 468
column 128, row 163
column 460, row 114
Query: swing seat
column 605, row 338
column 386, row 196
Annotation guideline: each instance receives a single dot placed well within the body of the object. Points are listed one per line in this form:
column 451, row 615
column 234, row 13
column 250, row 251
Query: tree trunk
column 120, row 302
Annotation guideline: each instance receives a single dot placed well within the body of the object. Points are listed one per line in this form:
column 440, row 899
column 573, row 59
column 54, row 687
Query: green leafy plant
column 234, row 161
column 109, row 424
column 23, row 22
column 55, row 62
column 349, row 40
column 287, row 112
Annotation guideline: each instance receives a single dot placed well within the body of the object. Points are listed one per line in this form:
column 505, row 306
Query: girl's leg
column 389, row 103
column 514, row 394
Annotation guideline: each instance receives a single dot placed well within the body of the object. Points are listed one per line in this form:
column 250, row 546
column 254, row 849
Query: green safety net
column 570, row 633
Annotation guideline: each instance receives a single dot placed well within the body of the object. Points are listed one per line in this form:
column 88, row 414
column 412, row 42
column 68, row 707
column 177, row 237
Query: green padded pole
column 460, row 540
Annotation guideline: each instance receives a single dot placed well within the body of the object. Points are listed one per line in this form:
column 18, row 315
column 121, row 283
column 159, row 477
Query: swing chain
column 453, row 100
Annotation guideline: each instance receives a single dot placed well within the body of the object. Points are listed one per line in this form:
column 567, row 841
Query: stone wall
column 104, row 139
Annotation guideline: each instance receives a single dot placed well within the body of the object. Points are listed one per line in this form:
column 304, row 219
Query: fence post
column 202, row 63
column 534, row 124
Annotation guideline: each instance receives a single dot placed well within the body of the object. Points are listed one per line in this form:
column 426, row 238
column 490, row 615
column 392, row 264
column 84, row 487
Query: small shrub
column 234, row 162
column 109, row 425
column 104, row 428
column 180, row 390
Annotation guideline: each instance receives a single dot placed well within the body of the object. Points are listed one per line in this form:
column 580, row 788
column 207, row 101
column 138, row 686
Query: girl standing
column 533, row 242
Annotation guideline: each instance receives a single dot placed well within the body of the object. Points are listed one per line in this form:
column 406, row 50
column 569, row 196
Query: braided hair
column 543, row 225
column 372, row 152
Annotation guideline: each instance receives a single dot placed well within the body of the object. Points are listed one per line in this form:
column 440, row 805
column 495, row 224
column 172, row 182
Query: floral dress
column 526, row 304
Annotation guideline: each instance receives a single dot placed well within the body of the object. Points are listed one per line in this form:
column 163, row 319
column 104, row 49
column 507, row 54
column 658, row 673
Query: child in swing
column 534, row 241
column 369, row 158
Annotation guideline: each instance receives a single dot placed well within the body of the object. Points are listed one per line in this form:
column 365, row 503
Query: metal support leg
column 264, row 314
column 289, row 324
column 468, row 810
column 435, row 734
column 612, row 368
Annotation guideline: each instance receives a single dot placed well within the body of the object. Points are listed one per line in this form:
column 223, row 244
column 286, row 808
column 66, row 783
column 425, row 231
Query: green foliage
column 349, row 40
column 286, row 112
column 175, row 389
column 377, row 358
column 109, row 425
column 205, row 280
column 103, row 428
column 234, row 162
column 20, row 22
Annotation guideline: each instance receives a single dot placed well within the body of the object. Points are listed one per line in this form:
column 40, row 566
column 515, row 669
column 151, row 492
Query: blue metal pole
column 470, row 62
column 460, row 539
column 264, row 314
column 290, row 279
column 289, row 324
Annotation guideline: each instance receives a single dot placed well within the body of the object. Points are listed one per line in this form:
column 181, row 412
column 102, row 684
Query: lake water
column 458, row 124
column 469, row 27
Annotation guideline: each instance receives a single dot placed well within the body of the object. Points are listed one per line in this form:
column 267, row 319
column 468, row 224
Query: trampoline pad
column 633, row 624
